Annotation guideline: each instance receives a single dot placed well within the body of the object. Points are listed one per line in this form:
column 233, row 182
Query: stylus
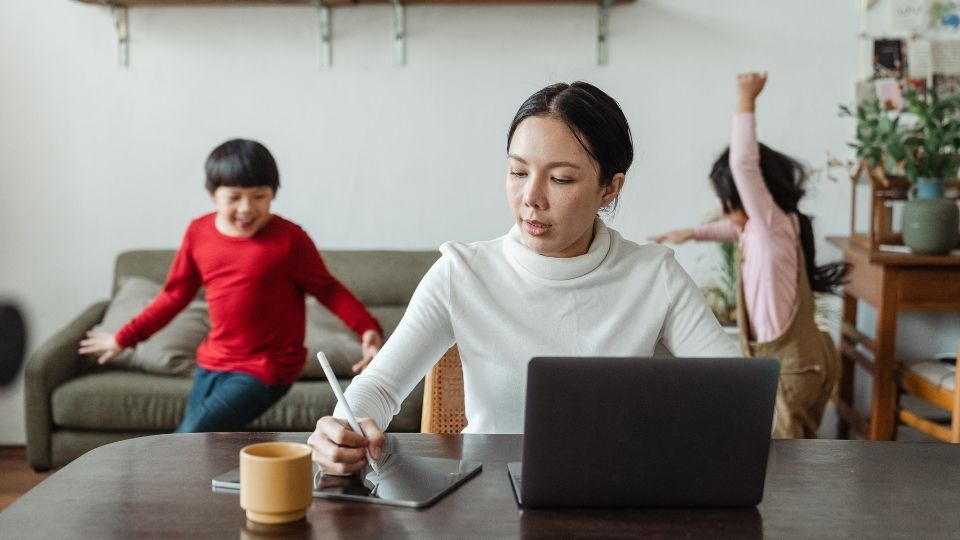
column 352, row 420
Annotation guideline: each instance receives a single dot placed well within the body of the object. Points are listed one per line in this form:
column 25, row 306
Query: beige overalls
column 809, row 362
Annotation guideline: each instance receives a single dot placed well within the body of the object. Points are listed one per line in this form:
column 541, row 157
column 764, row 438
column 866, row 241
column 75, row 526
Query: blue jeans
column 221, row 401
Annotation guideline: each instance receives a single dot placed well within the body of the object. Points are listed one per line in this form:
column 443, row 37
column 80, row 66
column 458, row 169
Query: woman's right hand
column 100, row 343
column 678, row 236
column 339, row 450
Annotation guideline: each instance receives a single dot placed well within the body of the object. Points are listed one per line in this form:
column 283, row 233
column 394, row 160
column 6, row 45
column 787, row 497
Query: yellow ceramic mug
column 276, row 485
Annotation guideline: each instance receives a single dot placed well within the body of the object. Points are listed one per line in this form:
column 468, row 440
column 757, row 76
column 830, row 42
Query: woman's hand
column 370, row 345
column 749, row 86
column 100, row 343
column 678, row 236
column 339, row 450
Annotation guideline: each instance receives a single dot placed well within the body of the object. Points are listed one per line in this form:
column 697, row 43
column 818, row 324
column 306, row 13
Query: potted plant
column 721, row 290
column 922, row 143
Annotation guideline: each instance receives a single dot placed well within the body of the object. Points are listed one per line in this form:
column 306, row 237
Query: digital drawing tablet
column 404, row 480
column 646, row 432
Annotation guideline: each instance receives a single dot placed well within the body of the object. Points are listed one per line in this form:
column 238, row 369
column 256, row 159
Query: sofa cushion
column 327, row 333
column 307, row 401
column 170, row 351
column 380, row 278
column 132, row 401
column 120, row 400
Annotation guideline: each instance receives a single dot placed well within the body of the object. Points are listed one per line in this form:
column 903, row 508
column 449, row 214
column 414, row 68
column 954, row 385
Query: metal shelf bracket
column 399, row 33
column 326, row 35
column 603, row 23
column 121, row 22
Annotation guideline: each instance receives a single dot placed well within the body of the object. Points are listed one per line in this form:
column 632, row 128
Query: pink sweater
column 768, row 241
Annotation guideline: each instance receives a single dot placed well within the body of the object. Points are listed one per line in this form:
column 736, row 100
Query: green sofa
column 72, row 407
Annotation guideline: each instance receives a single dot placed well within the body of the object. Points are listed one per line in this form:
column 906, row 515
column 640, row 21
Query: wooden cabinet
column 890, row 282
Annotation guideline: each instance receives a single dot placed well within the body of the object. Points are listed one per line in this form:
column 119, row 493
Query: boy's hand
column 102, row 343
column 678, row 236
column 370, row 345
column 749, row 86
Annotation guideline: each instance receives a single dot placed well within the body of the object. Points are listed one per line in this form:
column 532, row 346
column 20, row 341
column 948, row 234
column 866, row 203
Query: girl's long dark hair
column 784, row 177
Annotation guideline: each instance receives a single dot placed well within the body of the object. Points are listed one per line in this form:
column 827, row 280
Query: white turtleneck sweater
column 503, row 304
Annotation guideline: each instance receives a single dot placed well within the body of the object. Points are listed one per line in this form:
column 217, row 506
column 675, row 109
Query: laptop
column 646, row 432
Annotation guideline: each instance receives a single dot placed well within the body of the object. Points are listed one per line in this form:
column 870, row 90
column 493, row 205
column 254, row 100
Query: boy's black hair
column 595, row 119
column 241, row 163
column 784, row 178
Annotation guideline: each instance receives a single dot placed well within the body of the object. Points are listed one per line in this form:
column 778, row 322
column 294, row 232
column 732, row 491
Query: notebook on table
column 646, row 432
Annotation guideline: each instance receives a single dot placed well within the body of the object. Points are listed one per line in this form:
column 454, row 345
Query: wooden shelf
column 332, row 3
column 119, row 10
column 885, row 191
column 892, row 258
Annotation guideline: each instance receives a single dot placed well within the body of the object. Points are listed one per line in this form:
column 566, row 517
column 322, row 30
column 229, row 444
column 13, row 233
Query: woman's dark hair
column 241, row 163
column 784, row 177
column 595, row 119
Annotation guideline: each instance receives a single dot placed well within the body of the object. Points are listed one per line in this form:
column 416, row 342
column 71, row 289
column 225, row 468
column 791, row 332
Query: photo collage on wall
column 928, row 59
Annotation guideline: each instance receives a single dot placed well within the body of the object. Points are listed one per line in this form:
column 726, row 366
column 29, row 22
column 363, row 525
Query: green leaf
column 923, row 138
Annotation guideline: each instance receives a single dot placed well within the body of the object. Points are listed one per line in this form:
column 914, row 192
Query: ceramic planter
column 930, row 221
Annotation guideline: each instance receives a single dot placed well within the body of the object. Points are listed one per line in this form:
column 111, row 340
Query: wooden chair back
column 443, row 409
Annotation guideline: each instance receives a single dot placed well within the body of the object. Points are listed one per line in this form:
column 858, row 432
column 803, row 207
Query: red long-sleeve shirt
column 255, row 292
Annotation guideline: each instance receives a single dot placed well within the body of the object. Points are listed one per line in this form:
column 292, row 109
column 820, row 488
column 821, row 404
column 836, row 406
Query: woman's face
column 553, row 188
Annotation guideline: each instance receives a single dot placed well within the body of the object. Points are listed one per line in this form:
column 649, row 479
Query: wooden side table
column 891, row 282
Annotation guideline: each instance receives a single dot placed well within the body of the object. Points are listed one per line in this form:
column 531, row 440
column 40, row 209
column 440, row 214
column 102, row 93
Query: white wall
column 96, row 159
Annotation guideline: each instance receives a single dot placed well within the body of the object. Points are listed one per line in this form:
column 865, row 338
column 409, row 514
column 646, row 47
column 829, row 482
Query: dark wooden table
column 890, row 282
column 159, row 487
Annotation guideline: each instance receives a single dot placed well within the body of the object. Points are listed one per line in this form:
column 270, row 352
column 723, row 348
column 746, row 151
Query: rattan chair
column 935, row 383
column 443, row 410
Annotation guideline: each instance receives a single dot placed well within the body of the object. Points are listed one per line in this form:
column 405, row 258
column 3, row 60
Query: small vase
column 931, row 223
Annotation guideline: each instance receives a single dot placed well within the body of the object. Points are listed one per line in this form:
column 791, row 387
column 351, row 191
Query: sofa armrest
column 55, row 362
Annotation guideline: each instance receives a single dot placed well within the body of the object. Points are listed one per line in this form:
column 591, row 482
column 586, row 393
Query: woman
column 559, row 283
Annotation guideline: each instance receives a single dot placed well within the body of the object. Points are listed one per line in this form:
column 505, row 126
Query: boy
column 256, row 267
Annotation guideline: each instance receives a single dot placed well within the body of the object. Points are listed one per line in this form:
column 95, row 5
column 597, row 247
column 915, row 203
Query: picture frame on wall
column 946, row 84
column 889, row 58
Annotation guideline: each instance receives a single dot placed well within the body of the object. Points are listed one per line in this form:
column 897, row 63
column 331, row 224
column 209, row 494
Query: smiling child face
column 242, row 211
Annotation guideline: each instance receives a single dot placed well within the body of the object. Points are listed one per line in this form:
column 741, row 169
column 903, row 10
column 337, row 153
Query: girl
column 760, row 189
column 558, row 283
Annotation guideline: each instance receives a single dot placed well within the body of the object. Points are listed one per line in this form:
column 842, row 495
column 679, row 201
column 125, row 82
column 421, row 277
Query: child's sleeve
column 747, row 175
column 717, row 231
column 309, row 271
column 181, row 287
